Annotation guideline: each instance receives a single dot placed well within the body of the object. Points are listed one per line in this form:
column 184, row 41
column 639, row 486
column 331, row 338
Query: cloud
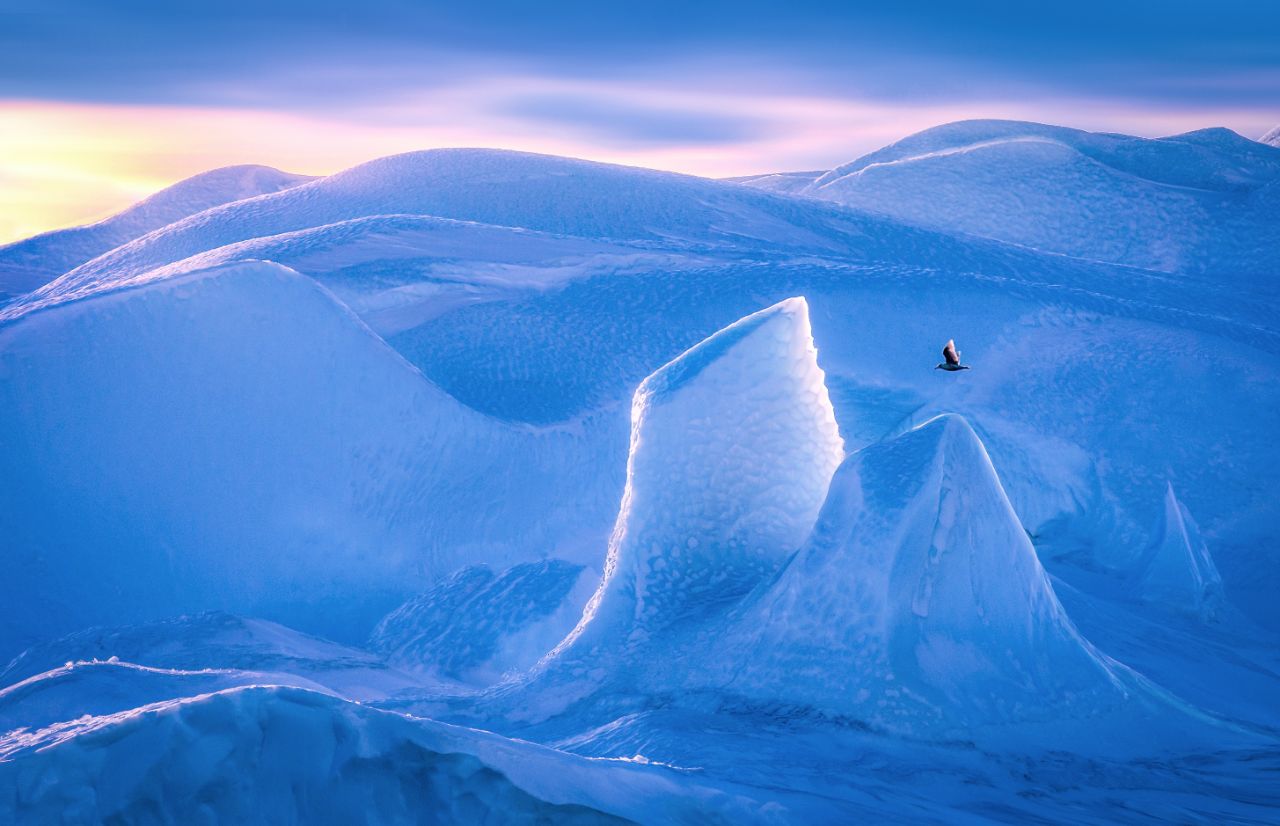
column 292, row 54
column 618, row 123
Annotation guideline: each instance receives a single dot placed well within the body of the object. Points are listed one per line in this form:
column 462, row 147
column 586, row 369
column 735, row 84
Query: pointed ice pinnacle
column 732, row 447
column 917, row 598
column 1176, row 570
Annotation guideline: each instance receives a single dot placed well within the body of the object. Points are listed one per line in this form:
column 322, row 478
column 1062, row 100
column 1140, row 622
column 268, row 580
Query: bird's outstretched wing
column 949, row 353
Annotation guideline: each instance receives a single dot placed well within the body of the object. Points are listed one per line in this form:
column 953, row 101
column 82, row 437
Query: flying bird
column 951, row 358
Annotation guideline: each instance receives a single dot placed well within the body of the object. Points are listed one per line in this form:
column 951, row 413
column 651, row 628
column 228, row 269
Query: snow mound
column 1176, row 570
column 236, row 439
column 28, row 264
column 510, row 189
column 917, row 601
column 284, row 755
column 1177, row 204
column 477, row 626
column 732, row 447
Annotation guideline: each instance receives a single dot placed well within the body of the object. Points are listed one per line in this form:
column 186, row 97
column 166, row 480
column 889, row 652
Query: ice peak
column 733, row 445
column 788, row 319
column 1176, row 570
column 918, row 590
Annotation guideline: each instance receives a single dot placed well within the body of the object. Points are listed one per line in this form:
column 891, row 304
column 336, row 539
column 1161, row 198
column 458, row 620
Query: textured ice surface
column 477, row 626
column 732, row 447
column 917, row 603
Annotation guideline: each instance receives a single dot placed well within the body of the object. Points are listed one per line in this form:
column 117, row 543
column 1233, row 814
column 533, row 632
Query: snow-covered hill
column 31, row 263
column 1183, row 204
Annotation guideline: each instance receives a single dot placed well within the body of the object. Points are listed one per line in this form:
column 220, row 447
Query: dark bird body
column 951, row 358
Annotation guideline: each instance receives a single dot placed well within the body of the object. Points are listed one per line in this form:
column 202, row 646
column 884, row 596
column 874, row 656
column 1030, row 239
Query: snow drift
column 275, row 755
column 246, row 650
column 236, row 439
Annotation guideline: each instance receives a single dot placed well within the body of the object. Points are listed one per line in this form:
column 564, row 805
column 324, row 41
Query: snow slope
column 237, row 439
column 33, row 262
column 510, row 189
column 555, row 329
column 1272, row 138
column 1188, row 203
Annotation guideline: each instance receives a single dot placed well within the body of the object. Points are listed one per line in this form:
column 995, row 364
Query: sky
column 103, row 103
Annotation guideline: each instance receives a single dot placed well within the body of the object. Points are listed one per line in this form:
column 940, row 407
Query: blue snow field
column 478, row 486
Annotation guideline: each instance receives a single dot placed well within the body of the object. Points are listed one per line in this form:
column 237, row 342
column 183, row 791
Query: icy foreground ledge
column 732, row 447
column 279, row 755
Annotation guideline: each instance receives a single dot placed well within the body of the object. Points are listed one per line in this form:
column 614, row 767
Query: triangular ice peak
column 1176, row 570
column 918, row 598
column 732, row 447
